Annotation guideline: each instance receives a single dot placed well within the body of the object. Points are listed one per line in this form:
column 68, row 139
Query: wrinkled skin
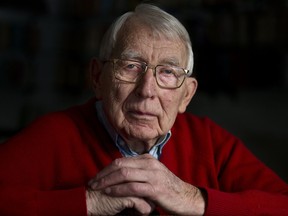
column 144, row 112
column 145, row 177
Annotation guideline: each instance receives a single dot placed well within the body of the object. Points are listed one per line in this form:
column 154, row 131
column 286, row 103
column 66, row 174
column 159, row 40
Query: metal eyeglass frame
column 186, row 72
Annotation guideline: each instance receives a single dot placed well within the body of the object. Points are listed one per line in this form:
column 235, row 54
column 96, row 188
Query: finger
column 123, row 175
column 99, row 203
column 142, row 206
column 132, row 189
column 133, row 162
column 114, row 166
column 141, row 162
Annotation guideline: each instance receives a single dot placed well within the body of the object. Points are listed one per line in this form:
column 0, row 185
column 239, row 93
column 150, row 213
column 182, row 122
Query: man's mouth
column 142, row 115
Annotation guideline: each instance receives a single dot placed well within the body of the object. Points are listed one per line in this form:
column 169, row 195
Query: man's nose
column 147, row 86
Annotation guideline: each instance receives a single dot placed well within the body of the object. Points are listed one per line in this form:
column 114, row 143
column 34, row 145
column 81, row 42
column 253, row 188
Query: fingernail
column 94, row 185
column 107, row 190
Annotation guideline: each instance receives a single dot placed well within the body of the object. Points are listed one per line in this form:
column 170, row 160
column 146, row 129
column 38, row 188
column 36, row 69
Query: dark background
column 241, row 63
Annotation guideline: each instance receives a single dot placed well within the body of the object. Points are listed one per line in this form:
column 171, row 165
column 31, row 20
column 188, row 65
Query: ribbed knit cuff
column 62, row 202
column 222, row 204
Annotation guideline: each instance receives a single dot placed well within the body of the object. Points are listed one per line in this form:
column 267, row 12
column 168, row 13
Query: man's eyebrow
column 170, row 61
column 131, row 54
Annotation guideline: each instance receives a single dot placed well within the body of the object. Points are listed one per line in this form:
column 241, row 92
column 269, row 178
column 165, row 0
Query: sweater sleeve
column 250, row 202
column 39, row 174
column 30, row 201
column 246, row 185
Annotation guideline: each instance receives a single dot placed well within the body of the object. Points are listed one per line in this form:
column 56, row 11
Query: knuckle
column 152, row 163
column 152, row 190
column 128, row 203
column 102, row 181
column 134, row 188
column 124, row 172
column 117, row 162
column 148, row 156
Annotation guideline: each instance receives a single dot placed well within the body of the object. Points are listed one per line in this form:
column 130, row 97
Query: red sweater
column 44, row 169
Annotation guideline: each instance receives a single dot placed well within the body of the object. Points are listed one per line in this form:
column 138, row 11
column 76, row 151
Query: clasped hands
column 141, row 183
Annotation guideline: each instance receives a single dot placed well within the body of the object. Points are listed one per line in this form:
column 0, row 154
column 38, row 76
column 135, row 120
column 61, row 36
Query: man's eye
column 167, row 71
column 131, row 66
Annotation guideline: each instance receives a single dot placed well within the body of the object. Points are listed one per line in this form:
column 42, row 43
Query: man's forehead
column 139, row 41
column 134, row 54
column 134, row 33
column 137, row 45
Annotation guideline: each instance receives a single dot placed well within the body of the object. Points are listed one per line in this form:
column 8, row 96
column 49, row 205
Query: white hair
column 160, row 23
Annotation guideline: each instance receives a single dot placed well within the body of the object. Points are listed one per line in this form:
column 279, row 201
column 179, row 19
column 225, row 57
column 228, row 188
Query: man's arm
column 41, row 176
column 29, row 178
column 34, row 171
column 146, row 177
column 249, row 202
column 15, row 200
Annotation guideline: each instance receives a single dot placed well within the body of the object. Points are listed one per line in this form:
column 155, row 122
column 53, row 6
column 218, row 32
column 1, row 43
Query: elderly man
column 132, row 149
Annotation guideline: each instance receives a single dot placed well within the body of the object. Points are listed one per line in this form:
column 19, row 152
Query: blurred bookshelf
column 45, row 49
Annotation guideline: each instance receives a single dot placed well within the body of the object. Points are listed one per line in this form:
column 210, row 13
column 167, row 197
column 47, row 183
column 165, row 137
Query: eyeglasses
column 167, row 76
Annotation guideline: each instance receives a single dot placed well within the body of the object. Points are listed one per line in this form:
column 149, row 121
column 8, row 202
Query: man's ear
column 190, row 89
column 95, row 72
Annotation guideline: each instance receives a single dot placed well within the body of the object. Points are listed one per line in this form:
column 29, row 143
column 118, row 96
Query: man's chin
column 142, row 135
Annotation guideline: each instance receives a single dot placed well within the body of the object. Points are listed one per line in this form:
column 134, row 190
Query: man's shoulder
column 193, row 120
column 67, row 118
column 188, row 123
column 193, row 126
